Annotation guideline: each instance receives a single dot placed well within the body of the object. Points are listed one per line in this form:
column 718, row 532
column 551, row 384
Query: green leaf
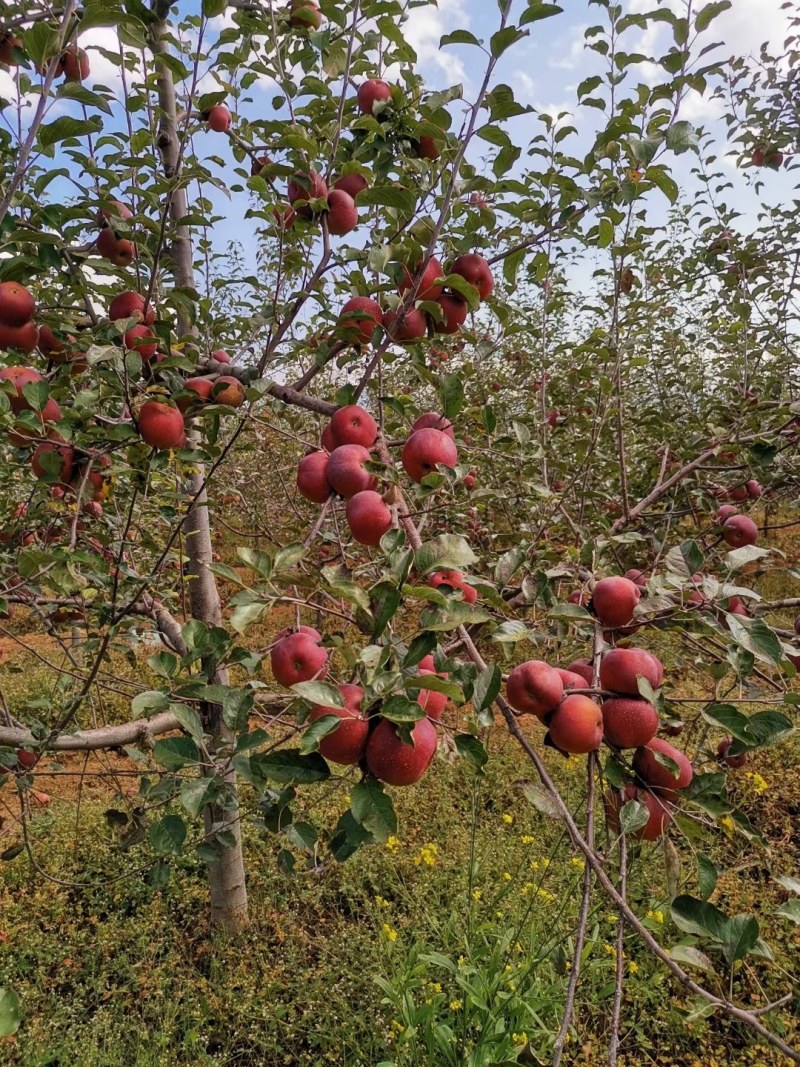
column 400, row 709
column 470, row 748
column 698, row 917
column 260, row 562
column 707, row 875
column 316, row 731
column 504, row 39
column 65, row 127
column 288, row 766
column 792, row 884
column 633, row 816
column 537, row 10
column 289, row 556
column 149, row 703
column 729, row 718
column 790, row 910
column 445, row 552
column 509, row 563
column 189, row 720
column 9, row 1012
column 707, row 14
column 245, row 615
column 539, row 798
column 168, row 835
column 605, row 233
column 323, row 693
column 692, row 957
column 438, row 685
column 194, row 794
column 510, row 632
column 459, row 37
column 739, row 936
column 212, row 8
column 451, row 391
column 486, row 688
column 391, row 196
column 681, row 137
column 176, row 752
column 372, row 809
column 348, row 837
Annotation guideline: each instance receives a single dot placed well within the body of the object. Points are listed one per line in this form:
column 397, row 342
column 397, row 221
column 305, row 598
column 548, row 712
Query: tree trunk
column 226, row 874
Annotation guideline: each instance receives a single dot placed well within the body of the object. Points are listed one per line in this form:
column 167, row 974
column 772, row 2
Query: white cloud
column 572, row 55
column 425, row 27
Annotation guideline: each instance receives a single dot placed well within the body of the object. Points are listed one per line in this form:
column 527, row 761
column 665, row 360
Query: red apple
column 739, row 530
column 312, row 477
column 117, row 250
column 73, row 64
column 658, row 812
column 621, row 667
column 218, row 118
column 428, row 288
column 17, row 305
column 347, row 743
column 228, row 391
column 571, row 680
column 342, row 213
column 583, row 668
column 160, row 425
column 413, row 325
column 285, row 216
column 346, row 470
column 427, row 449
column 305, row 15
column 730, row 761
column 372, row 92
column 298, row 658
column 454, row 310
column 200, row 388
column 754, row 488
column 629, row 723
column 19, row 338
column 62, row 450
column 534, row 688
column 613, row 601
column 453, row 580
column 396, row 763
column 142, row 340
column 368, row 516
column 19, row 377
column 130, row 305
column 637, row 577
column 428, row 147
column 306, row 187
column 656, row 775
column 359, row 317
column 433, row 420
column 475, row 270
column 221, row 356
column 353, row 425
column 724, row 512
column 352, row 184
column 576, row 725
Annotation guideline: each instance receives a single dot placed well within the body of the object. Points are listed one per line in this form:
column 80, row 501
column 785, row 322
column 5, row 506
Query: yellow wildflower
column 455, row 1005
column 527, row 839
column 633, row 966
column 506, row 876
column 435, row 987
column 397, row 1025
column 508, row 819
column 520, row 1039
column 381, row 902
column 477, row 894
column 576, row 861
column 656, row 916
column 759, row 784
column 610, row 950
column 427, row 855
column 392, row 843
column 389, row 933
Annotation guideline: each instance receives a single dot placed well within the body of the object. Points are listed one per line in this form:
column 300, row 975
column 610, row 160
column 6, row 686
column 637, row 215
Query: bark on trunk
column 226, row 874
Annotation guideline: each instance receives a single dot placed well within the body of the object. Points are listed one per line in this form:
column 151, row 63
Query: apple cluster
column 362, row 736
column 340, row 466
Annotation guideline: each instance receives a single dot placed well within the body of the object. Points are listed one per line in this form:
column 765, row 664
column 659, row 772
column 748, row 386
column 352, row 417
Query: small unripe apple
column 160, row 425
column 353, row 425
column 396, row 763
column 372, row 92
column 17, row 305
column 534, row 688
column 739, row 530
column 346, row 471
column 218, row 118
column 576, row 725
column 427, row 449
column 312, row 477
column 342, row 213
column 454, row 311
column 368, row 516
column 475, row 270
column 359, row 317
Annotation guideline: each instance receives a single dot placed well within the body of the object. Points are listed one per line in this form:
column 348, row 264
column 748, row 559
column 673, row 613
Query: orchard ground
column 463, row 920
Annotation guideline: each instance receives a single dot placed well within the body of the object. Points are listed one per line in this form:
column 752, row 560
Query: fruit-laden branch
column 747, row 1017
column 141, row 731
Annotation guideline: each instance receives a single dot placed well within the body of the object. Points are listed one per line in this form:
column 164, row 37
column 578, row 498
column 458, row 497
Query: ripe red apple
column 637, row 577
column 117, row 250
column 352, row 184
column 629, row 723
column 359, row 317
column 738, row 493
column 17, row 305
column 579, row 597
column 309, row 631
column 614, row 599
column 433, row 420
column 453, row 580
column 432, row 702
column 115, row 210
column 754, row 488
column 730, row 761
column 327, row 440
column 342, row 213
column 130, row 305
column 346, row 471
column 428, row 288
column 428, row 147
column 621, row 667
column 305, row 15
column 739, row 530
column 372, row 92
column 228, row 391
column 160, row 425
column 454, row 310
column 73, row 64
column 306, row 187
column 221, row 356
column 396, row 763
column 774, row 158
column 534, row 688
column 368, row 515
column 475, row 270
column 8, row 43
column 425, row 450
column 353, row 425
column 142, row 340
column 312, row 477
column 298, row 658
column 576, row 725
column 724, row 512
column 583, row 668
column 470, row 481
column 658, row 812
column 656, row 775
column 257, row 164
column 62, row 450
column 19, row 338
column 285, row 216
column 218, row 118
column 571, row 680
column 736, row 606
column 413, row 326
column 19, row 377
column 200, row 387
column 50, row 414
column 347, row 743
